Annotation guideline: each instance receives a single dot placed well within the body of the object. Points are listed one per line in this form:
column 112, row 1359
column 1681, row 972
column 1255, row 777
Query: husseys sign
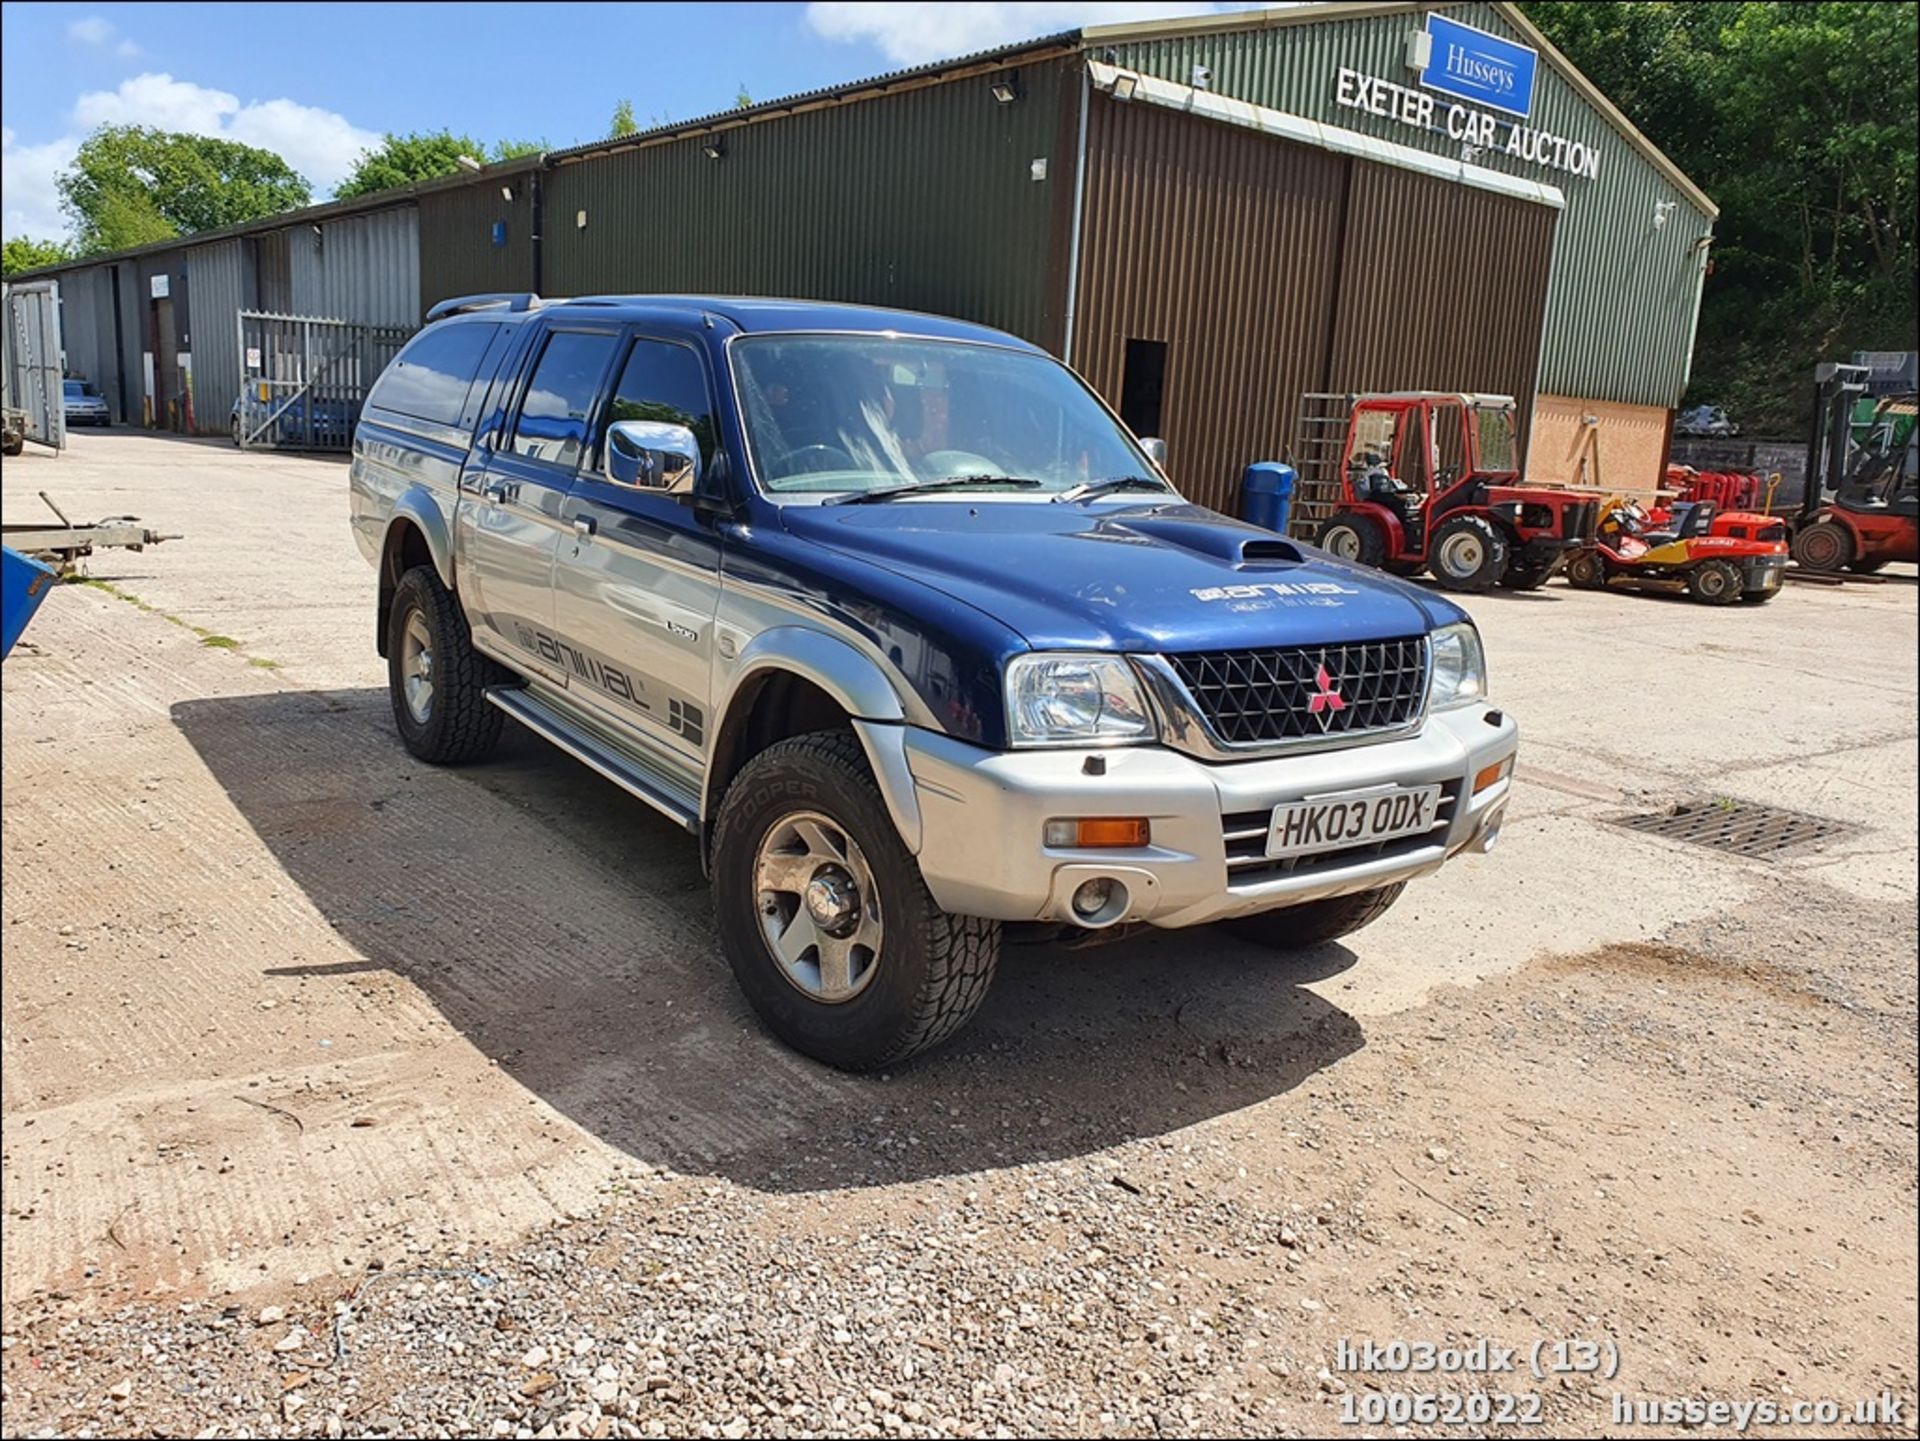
column 1489, row 83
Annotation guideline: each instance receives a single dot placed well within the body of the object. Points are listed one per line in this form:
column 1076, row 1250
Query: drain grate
column 1743, row 827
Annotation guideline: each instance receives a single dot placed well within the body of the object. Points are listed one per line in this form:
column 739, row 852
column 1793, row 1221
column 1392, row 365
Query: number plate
column 1353, row 818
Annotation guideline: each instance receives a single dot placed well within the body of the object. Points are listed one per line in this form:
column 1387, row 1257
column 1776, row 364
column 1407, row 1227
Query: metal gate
column 305, row 378
column 33, row 370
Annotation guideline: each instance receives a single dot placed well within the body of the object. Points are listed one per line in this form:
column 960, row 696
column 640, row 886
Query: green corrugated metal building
column 1219, row 221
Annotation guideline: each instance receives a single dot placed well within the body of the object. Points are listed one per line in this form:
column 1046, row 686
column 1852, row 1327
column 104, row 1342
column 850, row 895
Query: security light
column 506, row 192
column 1123, row 86
column 1202, row 77
column 1006, row 89
column 714, row 149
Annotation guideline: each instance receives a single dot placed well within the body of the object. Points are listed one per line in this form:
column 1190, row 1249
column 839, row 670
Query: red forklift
column 1862, row 506
column 1431, row 481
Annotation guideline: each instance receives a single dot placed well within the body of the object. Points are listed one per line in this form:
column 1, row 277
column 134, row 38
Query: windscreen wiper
column 952, row 482
column 1087, row 489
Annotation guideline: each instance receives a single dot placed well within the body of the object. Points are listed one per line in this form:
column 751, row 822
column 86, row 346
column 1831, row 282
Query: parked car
column 912, row 636
column 1708, row 420
column 84, row 403
column 281, row 422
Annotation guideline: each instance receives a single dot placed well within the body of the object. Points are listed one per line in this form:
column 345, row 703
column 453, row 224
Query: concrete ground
column 281, row 1003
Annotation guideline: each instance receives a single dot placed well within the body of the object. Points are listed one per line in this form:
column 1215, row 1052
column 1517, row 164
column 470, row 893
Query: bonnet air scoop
column 1205, row 533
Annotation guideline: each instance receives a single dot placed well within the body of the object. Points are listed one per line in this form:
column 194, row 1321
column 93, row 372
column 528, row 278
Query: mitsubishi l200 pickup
column 895, row 617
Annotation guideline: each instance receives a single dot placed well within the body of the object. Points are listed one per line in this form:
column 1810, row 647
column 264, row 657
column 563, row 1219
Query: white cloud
column 126, row 50
column 26, row 179
column 912, row 34
column 93, row 30
column 321, row 144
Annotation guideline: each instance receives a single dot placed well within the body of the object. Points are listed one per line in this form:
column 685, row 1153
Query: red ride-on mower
column 1432, row 481
column 1862, row 505
column 1718, row 560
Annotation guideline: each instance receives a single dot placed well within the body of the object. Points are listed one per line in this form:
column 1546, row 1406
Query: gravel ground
column 308, row 1132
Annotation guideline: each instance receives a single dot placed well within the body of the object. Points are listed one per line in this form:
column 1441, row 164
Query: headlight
column 1459, row 667
column 1074, row 699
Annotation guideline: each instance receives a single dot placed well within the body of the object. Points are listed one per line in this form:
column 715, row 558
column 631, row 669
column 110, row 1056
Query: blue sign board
column 1470, row 64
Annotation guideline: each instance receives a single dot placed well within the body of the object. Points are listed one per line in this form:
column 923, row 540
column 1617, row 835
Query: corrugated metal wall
column 1271, row 270
column 273, row 270
column 1223, row 244
column 1621, row 317
column 223, row 286
column 1420, row 307
column 86, row 330
column 923, row 199
column 361, row 267
column 457, row 251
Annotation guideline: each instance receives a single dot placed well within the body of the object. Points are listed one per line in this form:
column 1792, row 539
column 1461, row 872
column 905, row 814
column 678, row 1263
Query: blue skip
column 24, row 583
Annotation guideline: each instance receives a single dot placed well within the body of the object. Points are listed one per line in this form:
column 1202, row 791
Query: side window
column 558, row 408
column 666, row 382
column 429, row 380
column 484, row 381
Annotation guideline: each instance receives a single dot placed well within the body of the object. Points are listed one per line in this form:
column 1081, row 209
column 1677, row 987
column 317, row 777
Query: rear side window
column 554, row 417
column 430, row 378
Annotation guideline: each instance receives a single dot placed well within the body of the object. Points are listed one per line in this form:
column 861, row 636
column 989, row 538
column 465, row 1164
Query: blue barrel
column 24, row 583
column 1266, row 494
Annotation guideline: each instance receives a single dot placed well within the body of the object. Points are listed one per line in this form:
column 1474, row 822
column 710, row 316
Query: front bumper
column 977, row 816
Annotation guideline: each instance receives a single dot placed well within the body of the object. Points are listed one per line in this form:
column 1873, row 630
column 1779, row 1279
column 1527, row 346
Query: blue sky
column 319, row 82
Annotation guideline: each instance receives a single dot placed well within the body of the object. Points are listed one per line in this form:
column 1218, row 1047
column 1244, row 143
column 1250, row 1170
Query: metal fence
column 305, row 377
column 34, row 371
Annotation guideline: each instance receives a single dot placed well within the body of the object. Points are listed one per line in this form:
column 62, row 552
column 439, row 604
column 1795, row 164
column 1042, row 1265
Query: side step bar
column 630, row 777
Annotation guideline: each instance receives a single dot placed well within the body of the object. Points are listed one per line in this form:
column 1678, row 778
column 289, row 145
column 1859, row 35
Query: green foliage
column 130, row 185
column 514, row 149
column 1800, row 121
column 24, row 254
column 742, row 100
column 623, row 121
column 407, row 160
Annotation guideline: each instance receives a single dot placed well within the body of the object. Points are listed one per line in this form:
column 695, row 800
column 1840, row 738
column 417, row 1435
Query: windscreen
column 848, row 413
column 1495, row 434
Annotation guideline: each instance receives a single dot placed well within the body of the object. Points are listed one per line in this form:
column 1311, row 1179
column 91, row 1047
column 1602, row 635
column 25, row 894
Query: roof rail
column 495, row 300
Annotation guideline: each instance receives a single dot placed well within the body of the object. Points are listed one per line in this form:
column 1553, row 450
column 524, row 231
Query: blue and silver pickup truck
column 895, row 617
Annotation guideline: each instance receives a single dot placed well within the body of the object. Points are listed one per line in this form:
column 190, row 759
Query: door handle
column 585, row 525
column 495, row 494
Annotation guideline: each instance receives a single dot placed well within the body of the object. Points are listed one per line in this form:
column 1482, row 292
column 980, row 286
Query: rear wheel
column 1317, row 922
column 1587, row 571
column 1469, row 553
column 1530, row 576
column 436, row 679
column 1824, row 545
column 1354, row 538
column 1714, row 582
column 830, row 930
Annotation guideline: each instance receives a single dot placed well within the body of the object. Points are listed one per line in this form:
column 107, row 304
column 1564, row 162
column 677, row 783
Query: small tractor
column 1862, row 506
column 1431, row 481
column 1718, row 558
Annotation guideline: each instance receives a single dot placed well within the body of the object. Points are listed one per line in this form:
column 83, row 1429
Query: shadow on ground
column 566, row 930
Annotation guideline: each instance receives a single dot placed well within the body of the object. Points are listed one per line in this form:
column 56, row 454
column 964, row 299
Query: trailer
column 62, row 545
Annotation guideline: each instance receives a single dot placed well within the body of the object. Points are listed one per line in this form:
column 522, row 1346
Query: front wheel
column 1824, row 545
column 1469, row 553
column 1354, row 538
column 1714, row 582
column 1587, row 571
column 830, row 930
column 1316, row 922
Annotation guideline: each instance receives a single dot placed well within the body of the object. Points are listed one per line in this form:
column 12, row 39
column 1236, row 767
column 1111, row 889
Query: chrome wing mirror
column 653, row 455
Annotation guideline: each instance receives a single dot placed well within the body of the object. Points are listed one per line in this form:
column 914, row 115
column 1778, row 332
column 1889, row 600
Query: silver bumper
column 975, row 819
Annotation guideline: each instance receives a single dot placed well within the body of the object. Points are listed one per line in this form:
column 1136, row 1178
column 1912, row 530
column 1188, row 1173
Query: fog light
column 1492, row 775
column 1097, row 833
column 1092, row 897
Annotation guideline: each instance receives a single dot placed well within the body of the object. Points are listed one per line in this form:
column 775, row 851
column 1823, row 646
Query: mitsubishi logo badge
column 1326, row 700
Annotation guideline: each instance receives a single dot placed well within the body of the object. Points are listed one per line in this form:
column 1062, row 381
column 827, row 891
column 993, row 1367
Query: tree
column 623, row 121
column 1800, row 121
column 23, row 253
column 742, row 100
column 130, row 185
column 424, row 155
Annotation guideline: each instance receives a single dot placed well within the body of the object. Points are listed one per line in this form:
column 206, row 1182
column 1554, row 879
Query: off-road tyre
column 460, row 726
column 1758, row 597
column 1715, row 582
column 1294, row 928
column 1527, row 577
column 1587, row 571
column 1866, row 567
column 1468, row 553
column 1825, row 545
column 1356, row 539
column 1405, row 569
column 932, row 970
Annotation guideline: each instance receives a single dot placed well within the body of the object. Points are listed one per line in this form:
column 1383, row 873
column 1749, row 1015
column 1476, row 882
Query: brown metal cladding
column 1443, row 287
column 1224, row 245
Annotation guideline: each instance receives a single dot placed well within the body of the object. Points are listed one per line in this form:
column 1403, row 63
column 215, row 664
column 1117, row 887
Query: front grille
column 1251, row 697
column 1248, row 863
